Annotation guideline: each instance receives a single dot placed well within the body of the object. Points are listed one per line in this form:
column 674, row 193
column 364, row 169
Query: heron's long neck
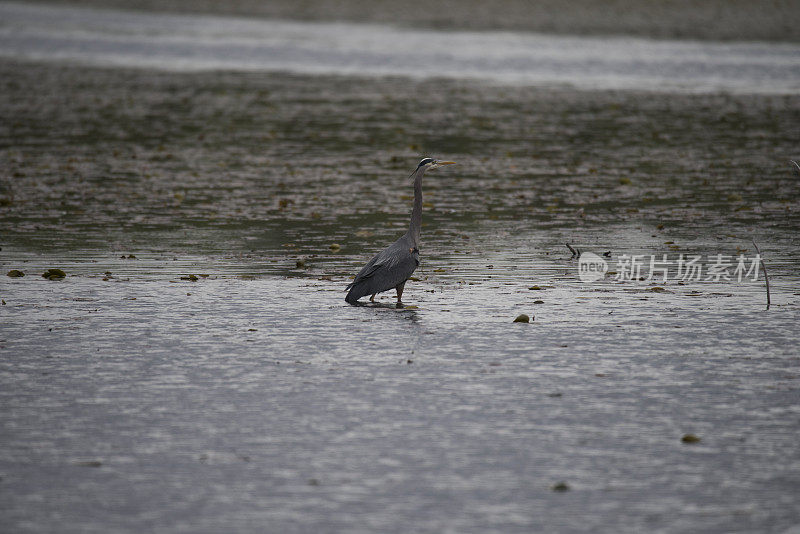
column 416, row 213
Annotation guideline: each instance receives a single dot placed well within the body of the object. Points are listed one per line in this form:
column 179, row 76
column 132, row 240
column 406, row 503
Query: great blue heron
column 391, row 267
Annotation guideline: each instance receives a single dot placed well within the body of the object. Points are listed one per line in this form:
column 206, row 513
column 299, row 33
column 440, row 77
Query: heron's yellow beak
column 445, row 162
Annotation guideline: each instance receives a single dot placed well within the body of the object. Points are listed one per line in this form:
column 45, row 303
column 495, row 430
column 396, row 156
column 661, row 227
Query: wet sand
column 135, row 398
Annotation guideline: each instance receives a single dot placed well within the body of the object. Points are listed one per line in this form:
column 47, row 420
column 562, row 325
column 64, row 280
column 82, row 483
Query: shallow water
column 255, row 399
column 240, row 402
column 204, row 42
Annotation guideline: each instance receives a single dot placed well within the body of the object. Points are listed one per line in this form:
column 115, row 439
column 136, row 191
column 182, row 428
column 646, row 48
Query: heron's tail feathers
column 357, row 290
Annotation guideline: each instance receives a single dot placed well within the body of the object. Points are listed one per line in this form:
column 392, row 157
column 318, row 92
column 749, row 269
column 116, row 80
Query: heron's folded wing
column 372, row 268
column 368, row 270
column 390, row 264
column 394, row 270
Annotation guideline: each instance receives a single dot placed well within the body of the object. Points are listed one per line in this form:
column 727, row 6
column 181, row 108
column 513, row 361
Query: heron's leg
column 372, row 298
column 399, row 289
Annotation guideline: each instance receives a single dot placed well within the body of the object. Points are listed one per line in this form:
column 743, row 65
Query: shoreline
column 202, row 43
column 713, row 20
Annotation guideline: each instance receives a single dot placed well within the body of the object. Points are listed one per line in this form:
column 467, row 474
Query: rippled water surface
column 198, row 369
column 195, row 42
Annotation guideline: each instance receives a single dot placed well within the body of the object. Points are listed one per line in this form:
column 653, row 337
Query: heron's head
column 430, row 163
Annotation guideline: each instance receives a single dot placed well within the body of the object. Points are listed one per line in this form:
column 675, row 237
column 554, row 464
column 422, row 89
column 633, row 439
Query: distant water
column 192, row 43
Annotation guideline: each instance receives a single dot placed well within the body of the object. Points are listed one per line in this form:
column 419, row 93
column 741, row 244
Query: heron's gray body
column 391, row 267
column 387, row 270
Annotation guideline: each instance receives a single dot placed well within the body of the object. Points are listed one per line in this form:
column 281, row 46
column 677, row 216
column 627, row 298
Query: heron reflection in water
column 392, row 267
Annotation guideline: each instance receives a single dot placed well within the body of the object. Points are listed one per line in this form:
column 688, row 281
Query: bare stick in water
column 764, row 268
column 576, row 253
column 795, row 164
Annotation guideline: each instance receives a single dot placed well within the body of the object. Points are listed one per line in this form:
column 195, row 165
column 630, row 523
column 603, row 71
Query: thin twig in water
column 575, row 252
column 763, row 267
column 795, row 164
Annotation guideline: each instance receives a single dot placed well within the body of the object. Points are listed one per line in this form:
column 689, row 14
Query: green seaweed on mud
column 54, row 274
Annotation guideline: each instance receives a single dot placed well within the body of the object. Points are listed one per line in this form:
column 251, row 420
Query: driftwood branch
column 576, row 253
column 763, row 267
column 795, row 164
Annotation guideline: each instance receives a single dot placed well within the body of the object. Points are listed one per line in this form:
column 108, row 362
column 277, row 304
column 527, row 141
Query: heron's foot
column 372, row 298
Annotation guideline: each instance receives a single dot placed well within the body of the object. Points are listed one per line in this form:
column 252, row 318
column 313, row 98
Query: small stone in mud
column 560, row 486
column 300, row 264
column 522, row 318
column 535, row 288
column 335, row 246
column 657, row 289
column 191, row 278
column 690, row 438
column 54, row 274
column 15, row 273
column 538, row 302
column 313, row 482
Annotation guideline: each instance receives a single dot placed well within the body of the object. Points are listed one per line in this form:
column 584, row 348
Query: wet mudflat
column 254, row 398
